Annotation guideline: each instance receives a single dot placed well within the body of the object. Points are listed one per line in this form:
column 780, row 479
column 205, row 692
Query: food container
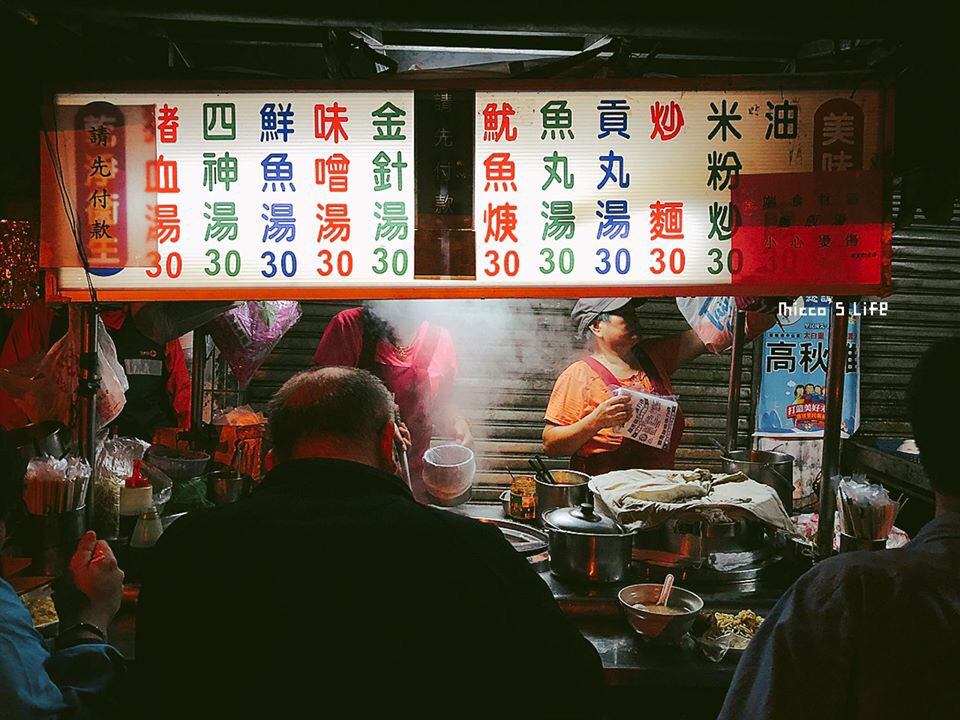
column 586, row 546
column 44, row 438
column 177, row 464
column 654, row 626
column 448, row 472
column 849, row 543
column 227, row 486
column 520, row 501
column 769, row 468
column 569, row 491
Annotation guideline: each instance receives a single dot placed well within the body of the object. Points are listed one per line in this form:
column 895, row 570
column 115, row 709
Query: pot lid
column 582, row 519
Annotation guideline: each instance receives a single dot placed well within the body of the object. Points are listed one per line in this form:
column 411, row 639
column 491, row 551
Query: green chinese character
column 219, row 121
column 560, row 221
column 383, row 169
column 222, row 221
column 219, row 170
column 557, row 116
column 553, row 164
column 392, row 219
column 388, row 122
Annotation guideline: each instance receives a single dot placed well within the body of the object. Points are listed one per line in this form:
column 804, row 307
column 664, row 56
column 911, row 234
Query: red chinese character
column 168, row 121
column 162, row 176
column 164, row 223
column 667, row 120
column 501, row 222
column 666, row 221
column 334, row 169
column 500, row 169
column 330, row 121
column 334, row 222
column 496, row 122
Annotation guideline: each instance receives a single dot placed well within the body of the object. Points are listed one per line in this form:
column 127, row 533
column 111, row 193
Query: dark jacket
column 330, row 585
column 864, row 635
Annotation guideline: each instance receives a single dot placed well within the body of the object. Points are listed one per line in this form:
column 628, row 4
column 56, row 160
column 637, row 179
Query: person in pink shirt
column 417, row 362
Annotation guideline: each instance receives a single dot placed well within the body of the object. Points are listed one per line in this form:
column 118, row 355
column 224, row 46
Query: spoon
column 665, row 590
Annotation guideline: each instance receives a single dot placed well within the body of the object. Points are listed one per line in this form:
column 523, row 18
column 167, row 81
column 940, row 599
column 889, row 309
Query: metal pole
column 733, row 389
column 87, row 388
column 198, row 370
column 830, row 460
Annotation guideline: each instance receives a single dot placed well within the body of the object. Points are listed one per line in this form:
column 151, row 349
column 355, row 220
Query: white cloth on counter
column 645, row 499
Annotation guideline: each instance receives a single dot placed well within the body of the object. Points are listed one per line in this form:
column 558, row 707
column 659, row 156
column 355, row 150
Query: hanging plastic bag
column 247, row 334
column 52, row 391
column 711, row 318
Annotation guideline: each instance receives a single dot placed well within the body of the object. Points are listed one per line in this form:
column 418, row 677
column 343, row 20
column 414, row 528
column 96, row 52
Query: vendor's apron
column 411, row 389
column 148, row 405
column 631, row 454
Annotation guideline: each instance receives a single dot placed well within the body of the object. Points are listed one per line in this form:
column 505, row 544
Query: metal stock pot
column 770, row 468
column 586, row 546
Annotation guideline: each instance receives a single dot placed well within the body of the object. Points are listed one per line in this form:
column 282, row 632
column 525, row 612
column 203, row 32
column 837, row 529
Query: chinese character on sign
column 334, row 222
column 724, row 170
column 852, row 240
column 333, row 171
column 780, row 357
column 724, row 221
column 496, row 122
column 168, row 122
column 442, row 203
column 500, row 169
column 442, row 102
column 99, row 135
column 667, row 120
column 557, row 117
column 164, row 223
column 824, row 241
column 813, row 358
column 392, row 221
column 553, row 164
column 162, row 176
column 666, row 221
column 383, row 167
column 100, row 229
column 276, row 121
column 280, row 223
column 613, row 169
column 217, row 170
column 388, row 120
column 838, row 129
column 103, row 168
column 443, row 138
column 221, row 221
column 614, row 219
column 99, row 198
column 443, row 171
column 613, row 118
column 330, row 122
column 782, row 120
column 501, row 222
column 277, row 169
column 560, row 221
column 219, row 121
column 836, row 162
column 724, row 120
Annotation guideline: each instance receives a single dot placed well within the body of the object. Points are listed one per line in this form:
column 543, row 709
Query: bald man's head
column 338, row 404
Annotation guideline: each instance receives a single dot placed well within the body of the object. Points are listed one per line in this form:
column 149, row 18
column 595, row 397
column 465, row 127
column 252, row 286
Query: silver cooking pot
column 587, row 547
column 569, row 490
column 770, row 468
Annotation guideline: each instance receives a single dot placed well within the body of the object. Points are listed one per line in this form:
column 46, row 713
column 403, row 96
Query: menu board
column 575, row 192
column 661, row 190
column 263, row 191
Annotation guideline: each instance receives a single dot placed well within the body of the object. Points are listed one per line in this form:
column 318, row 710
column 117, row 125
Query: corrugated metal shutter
column 510, row 352
column 924, row 308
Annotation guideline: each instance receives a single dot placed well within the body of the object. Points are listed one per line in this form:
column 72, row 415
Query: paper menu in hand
column 651, row 418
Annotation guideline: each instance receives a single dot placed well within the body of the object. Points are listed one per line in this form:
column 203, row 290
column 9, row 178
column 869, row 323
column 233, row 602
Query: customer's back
column 873, row 634
column 330, row 585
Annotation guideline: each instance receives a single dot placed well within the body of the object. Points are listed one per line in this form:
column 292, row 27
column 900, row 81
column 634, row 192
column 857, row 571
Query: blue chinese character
column 281, row 224
column 277, row 169
column 612, row 167
column 613, row 118
column 614, row 219
column 276, row 121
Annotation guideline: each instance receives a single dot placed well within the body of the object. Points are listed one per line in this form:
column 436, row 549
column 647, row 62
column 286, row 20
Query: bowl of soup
column 665, row 624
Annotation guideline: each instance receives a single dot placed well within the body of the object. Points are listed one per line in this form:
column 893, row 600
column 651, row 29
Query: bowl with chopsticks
column 560, row 489
column 661, row 624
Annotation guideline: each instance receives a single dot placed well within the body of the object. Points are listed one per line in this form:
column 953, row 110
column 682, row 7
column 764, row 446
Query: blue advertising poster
column 792, row 402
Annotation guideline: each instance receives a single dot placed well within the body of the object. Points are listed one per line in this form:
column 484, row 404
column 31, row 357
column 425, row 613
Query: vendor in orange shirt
column 583, row 409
